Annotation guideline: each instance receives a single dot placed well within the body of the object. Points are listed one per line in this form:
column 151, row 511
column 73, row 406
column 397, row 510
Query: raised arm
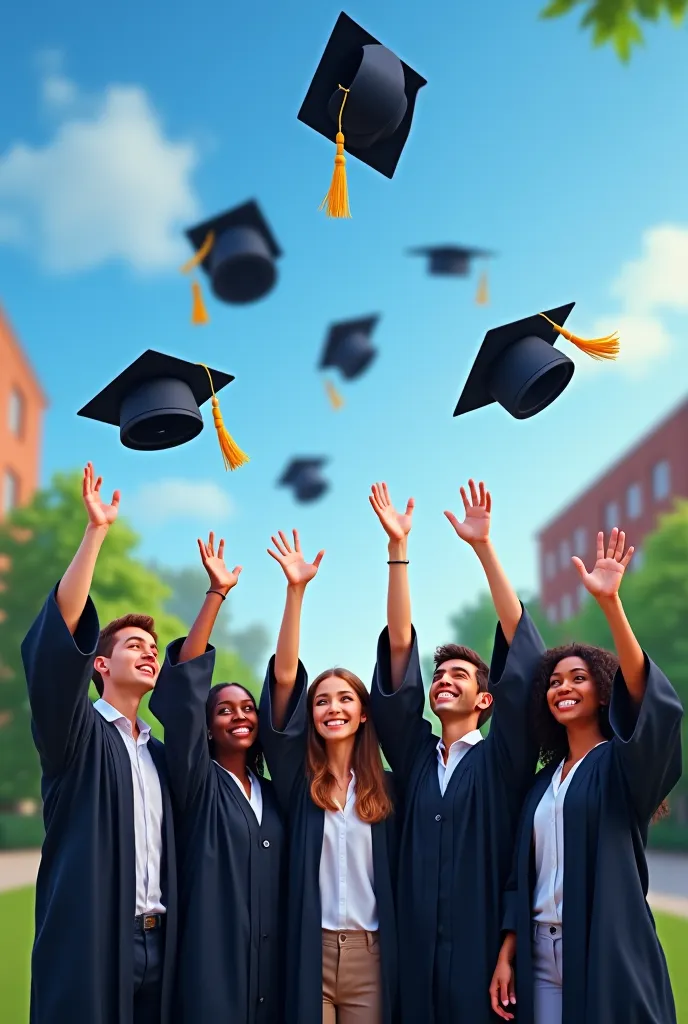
column 221, row 581
column 475, row 531
column 397, row 527
column 286, row 662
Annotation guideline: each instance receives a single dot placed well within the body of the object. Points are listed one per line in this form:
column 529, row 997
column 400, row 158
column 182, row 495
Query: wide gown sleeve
column 647, row 738
column 178, row 702
column 58, row 669
column 398, row 714
column 285, row 749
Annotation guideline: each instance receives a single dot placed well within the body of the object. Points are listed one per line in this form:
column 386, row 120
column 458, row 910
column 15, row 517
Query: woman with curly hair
column 577, row 925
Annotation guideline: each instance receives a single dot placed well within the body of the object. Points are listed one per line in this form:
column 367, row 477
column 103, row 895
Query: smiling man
column 105, row 939
column 462, row 793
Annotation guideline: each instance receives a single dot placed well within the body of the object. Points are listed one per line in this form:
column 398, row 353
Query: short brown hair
column 449, row 652
column 108, row 637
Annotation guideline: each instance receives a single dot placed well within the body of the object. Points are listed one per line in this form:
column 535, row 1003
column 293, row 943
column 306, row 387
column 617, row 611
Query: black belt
column 147, row 922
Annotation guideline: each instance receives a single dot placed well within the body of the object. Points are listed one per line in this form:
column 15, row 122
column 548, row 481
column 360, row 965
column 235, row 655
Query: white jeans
column 547, row 973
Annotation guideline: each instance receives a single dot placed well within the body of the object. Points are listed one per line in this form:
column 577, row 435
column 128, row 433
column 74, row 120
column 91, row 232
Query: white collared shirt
column 548, row 832
column 457, row 751
column 256, row 798
column 347, row 893
column 147, row 809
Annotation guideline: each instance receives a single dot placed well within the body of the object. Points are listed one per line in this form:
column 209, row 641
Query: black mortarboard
column 305, row 477
column 155, row 403
column 454, row 260
column 237, row 250
column 348, row 346
column 518, row 366
column 362, row 91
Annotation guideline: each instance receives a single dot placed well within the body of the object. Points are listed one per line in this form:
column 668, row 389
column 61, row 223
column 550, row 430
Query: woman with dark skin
column 576, row 922
column 229, row 831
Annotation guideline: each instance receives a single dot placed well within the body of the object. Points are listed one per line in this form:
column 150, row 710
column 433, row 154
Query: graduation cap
column 237, row 250
column 155, row 403
column 306, row 479
column 349, row 350
column 518, row 366
column 363, row 93
column 455, row 261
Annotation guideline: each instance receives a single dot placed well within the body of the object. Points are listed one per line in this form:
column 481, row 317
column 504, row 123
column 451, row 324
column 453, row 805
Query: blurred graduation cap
column 518, row 366
column 455, row 261
column 237, row 250
column 364, row 94
column 156, row 403
column 348, row 349
column 305, row 477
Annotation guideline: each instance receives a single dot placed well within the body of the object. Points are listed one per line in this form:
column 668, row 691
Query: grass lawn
column 16, row 933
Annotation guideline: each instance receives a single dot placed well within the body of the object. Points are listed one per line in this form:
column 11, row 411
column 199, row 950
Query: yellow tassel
column 597, row 348
column 199, row 314
column 336, row 400
column 199, row 255
column 482, row 297
column 337, row 199
column 232, row 455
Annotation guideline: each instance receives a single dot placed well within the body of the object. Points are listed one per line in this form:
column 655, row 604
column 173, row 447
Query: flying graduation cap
column 519, row 367
column 361, row 96
column 304, row 476
column 455, row 261
column 348, row 349
column 237, row 250
column 156, row 403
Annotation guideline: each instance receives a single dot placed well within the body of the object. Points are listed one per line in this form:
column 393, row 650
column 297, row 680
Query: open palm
column 295, row 567
column 605, row 578
column 395, row 525
column 99, row 514
column 476, row 526
column 221, row 578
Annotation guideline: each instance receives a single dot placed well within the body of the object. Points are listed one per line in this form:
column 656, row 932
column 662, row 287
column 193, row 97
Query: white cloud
column 170, row 499
column 109, row 186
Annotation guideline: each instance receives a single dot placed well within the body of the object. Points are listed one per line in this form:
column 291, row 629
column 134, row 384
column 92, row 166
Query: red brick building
column 22, row 405
column 631, row 494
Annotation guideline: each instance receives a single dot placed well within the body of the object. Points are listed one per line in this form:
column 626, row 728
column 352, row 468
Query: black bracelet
column 218, row 592
column 398, row 561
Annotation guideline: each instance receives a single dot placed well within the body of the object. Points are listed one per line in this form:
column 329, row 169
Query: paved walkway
column 668, row 877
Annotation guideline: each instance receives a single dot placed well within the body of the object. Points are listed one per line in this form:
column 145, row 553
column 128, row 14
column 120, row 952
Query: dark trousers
column 149, row 951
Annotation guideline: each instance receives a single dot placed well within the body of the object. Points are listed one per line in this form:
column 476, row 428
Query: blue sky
column 525, row 140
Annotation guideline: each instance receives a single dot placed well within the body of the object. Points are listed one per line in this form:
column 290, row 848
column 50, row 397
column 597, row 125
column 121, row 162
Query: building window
column 611, row 516
column 566, row 607
column 634, row 501
column 552, row 613
column 638, row 560
column 550, row 565
column 16, row 413
column 10, row 491
column 580, row 542
column 564, row 553
column 583, row 595
column 661, row 481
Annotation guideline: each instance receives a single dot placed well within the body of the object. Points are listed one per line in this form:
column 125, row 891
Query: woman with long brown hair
column 323, row 755
column 577, row 924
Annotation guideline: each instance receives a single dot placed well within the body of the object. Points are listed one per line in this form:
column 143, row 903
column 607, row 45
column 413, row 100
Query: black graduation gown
column 456, row 850
column 230, row 867
column 82, row 966
column 285, row 753
column 613, row 965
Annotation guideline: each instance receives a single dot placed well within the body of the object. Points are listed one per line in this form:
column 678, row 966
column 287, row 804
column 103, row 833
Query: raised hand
column 297, row 570
column 99, row 514
column 475, row 528
column 395, row 525
column 214, row 564
column 605, row 579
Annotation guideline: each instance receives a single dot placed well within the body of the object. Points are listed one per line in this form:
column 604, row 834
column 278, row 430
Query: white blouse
column 256, row 800
column 347, row 893
column 548, row 832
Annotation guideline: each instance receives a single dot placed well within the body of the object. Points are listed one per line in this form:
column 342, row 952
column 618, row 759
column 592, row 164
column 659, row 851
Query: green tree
column 618, row 22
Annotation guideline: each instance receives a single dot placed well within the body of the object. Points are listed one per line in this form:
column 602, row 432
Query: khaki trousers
column 351, row 978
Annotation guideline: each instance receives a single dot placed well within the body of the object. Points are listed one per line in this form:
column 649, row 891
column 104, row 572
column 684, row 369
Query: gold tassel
column 337, row 199
column 482, row 297
column 231, row 453
column 336, row 400
column 597, row 348
column 199, row 314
